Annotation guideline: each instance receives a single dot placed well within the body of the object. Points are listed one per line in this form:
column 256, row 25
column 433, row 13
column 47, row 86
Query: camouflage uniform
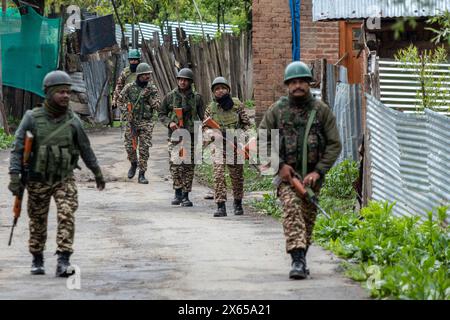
column 145, row 102
column 125, row 78
column 51, row 173
column 324, row 147
column 182, row 174
column 236, row 118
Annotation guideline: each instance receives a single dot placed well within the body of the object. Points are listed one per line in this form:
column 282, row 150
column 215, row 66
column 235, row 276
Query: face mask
column 141, row 84
column 133, row 67
column 225, row 102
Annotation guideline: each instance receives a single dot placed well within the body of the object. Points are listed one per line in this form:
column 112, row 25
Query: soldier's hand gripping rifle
column 179, row 114
column 212, row 124
column 133, row 130
column 305, row 192
column 24, row 178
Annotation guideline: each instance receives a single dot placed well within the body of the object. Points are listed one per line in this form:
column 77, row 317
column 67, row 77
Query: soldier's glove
column 286, row 173
column 15, row 184
column 99, row 180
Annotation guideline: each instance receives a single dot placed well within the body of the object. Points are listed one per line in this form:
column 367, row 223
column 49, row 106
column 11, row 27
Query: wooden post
column 323, row 81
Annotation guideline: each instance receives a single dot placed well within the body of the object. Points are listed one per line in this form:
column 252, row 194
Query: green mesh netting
column 30, row 47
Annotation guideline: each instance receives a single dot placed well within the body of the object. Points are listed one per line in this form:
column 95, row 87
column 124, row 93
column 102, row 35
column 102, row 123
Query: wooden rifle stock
column 179, row 114
column 132, row 129
column 17, row 208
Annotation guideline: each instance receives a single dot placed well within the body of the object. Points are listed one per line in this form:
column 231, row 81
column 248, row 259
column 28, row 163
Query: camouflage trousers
column 182, row 174
column 144, row 131
column 299, row 216
column 237, row 181
column 65, row 195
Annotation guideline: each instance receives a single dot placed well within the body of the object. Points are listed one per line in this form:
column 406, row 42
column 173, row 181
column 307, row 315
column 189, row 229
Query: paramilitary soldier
column 229, row 113
column 193, row 109
column 320, row 146
column 59, row 140
column 128, row 74
column 144, row 99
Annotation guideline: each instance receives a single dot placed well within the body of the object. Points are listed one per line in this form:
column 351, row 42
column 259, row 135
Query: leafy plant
column 6, row 141
column 432, row 92
column 397, row 257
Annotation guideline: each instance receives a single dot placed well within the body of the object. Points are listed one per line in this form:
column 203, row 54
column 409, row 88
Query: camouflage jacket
column 323, row 142
column 144, row 101
column 191, row 101
column 242, row 120
column 125, row 77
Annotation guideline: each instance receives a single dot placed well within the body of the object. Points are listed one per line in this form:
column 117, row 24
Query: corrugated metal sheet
column 347, row 109
column 95, row 75
column 357, row 9
column 399, row 86
column 190, row 27
column 410, row 158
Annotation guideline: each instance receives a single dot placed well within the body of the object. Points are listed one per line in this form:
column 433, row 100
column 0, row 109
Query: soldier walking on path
column 59, row 140
column 190, row 103
column 229, row 113
column 128, row 74
column 139, row 100
column 309, row 146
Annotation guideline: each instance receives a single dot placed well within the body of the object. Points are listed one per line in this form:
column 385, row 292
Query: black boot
column 298, row 264
column 132, row 170
column 178, row 197
column 63, row 264
column 238, row 211
column 221, row 210
column 306, row 267
column 37, row 266
column 185, row 202
column 141, row 178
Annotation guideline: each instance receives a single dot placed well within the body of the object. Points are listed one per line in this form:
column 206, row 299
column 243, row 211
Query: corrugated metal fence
column 191, row 28
column 410, row 158
column 347, row 109
column 399, row 86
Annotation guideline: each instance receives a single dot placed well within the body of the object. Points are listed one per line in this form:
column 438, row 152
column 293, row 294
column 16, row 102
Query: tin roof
column 358, row 9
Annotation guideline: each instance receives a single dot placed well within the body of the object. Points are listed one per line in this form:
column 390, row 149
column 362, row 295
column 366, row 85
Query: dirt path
column 130, row 243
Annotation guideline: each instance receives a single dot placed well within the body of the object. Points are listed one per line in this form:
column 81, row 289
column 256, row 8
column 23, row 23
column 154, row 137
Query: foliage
column 443, row 33
column 6, row 141
column 249, row 104
column 398, row 257
column 160, row 11
column 268, row 205
column 432, row 93
column 339, row 180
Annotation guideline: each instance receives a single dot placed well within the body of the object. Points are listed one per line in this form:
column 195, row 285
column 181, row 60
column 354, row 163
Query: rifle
column 132, row 127
column 179, row 114
column 305, row 192
column 212, row 124
column 24, row 177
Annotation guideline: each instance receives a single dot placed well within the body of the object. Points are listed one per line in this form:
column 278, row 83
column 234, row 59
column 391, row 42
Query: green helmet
column 143, row 68
column 55, row 78
column 297, row 69
column 186, row 73
column 220, row 80
column 134, row 54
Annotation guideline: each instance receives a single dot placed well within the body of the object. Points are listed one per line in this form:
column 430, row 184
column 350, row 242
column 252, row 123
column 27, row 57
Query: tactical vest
column 292, row 125
column 226, row 119
column 140, row 110
column 55, row 154
column 130, row 77
column 188, row 121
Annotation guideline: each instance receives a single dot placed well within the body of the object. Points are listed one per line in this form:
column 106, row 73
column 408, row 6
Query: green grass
column 6, row 141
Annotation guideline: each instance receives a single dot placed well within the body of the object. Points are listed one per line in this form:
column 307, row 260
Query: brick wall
column 272, row 46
